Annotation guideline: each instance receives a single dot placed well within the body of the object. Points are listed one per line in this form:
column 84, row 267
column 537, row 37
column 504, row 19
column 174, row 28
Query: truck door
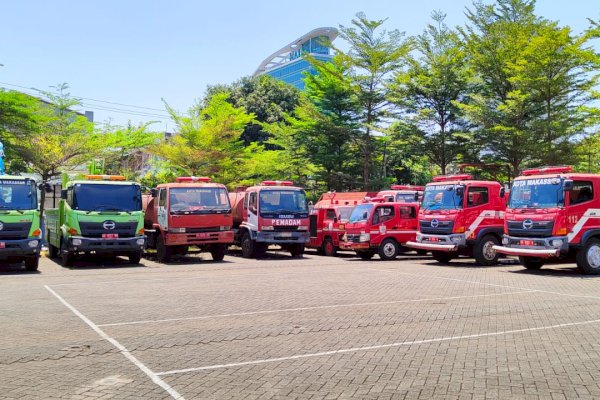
column 162, row 212
column 253, row 209
column 407, row 223
column 477, row 202
column 383, row 221
column 580, row 200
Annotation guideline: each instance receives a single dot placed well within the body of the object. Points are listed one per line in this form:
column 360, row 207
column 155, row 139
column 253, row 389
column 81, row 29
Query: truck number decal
column 573, row 219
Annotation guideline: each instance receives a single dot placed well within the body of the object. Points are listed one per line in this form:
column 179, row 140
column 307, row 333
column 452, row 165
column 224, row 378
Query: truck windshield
column 344, row 213
column 361, row 213
column 405, row 198
column 441, row 197
column 199, row 200
column 280, row 201
column 106, row 197
column 537, row 193
column 18, row 195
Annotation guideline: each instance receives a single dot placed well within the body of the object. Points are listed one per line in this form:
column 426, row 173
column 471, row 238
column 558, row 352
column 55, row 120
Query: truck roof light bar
column 459, row 177
column 548, row 170
column 105, row 177
column 407, row 187
column 182, row 179
column 277, row 183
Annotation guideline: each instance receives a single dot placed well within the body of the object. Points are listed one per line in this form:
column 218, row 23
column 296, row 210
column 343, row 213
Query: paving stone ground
column 313, row 328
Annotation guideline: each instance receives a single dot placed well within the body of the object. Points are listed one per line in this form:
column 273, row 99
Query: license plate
column 526, row 242
column 285, row 234
column 201, row 235
column 110, row 235
column 2, row 245
column 434, row 239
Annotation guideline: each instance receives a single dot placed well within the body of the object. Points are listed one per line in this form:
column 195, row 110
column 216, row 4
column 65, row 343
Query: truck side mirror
column 460, row 190
column 568, row 185
column 502, row 192
column 416, row 196
column 63, row 194
column 154, row 192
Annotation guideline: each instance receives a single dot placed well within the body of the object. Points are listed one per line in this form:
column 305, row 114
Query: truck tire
column 134, row 258
column 66, row 256
column 388, row 249
column 52, row 251
column 297, row 250
column 248, row 246
column 366, row 255
column 442, row 256
column 588, row 258
column 217, row 251
column 32, row 263
column 163, row 252
column 532, row 263
column 328, row 248
column 483, row 252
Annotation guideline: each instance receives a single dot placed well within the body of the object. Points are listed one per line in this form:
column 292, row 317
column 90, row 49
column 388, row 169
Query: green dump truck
column 101, row 214
column 20, row 234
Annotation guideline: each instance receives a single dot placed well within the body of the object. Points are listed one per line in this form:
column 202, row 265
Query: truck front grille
column 97, row 229
column 442, row 228
column 534, row 229
column 14, row 230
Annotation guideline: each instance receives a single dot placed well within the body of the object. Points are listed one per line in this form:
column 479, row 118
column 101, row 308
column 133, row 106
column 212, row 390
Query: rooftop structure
column 288, row 64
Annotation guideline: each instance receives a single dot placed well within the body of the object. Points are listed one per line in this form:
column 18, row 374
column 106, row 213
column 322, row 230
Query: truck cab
column 328, row 218
column 191, row 212
column 402, row 193
column 100, row 214
column 553, row 213
column 274, row 212
column 380, row 227
column 20, row 234
column 461, row 216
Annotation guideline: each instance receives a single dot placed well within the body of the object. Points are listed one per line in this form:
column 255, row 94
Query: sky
column 123, row 57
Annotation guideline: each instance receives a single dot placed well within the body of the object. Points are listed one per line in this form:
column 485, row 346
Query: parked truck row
column 549, row 213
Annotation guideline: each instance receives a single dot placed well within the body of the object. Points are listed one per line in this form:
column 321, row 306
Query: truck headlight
column 140, row 242
column 505, row 241
column 557, row 243
column 364, row 237
column 225, row 228
column 419, row 236
column 76, row 242
column 268, row 228
column 177, row 230
column 303, row 228
column 344, row 238
column 33, row 243
column 455, row 239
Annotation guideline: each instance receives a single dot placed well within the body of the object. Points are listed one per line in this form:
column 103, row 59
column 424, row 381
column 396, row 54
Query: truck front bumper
column 113, row 246
column 20, row 247
column 447, row 243
column 283, row 237
column 198, row 239
column 355, row 245
column 533, row 247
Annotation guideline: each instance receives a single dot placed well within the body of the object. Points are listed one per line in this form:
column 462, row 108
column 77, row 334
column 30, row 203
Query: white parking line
column 584, row 296
column 154, row 321
column 155, row 378
column 377, row 347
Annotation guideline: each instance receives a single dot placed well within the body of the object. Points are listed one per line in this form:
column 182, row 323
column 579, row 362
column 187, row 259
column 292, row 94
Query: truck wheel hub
column 593, row 256
column 488, row 251
column 389, row 249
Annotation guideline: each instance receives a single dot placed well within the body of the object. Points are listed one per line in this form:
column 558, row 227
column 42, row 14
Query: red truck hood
column 200, row 220
column 537, row 214
column 440, row 214
column 356, row 227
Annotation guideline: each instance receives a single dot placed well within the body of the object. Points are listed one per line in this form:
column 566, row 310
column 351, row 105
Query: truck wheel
column 52, row 251
column 297, row 250
column 442, row 256
column 66, row 256
column 163, row 252
column 388, row 249
column 588, row 258
column 366, row 255
column 134, row 258
column 533, row 263
column 248, row 246
column 32, row 263
column 483, row 252
column 328, row 248
column 217, row 251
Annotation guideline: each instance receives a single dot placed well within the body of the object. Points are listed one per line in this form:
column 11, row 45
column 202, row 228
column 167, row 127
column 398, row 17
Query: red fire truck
column 380, row 227
column 190, row 212
column 274, row 212
column 554, row 212
column 328, row 218
column 461, row 216
column 402, row 193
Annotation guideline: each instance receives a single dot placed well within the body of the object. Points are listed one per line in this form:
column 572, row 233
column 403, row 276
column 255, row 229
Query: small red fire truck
column 402, row 193
column 554, row 212
column 274, row 212
column 461, row 216
column 328, row 218
column 380, row 227
column 193, row 211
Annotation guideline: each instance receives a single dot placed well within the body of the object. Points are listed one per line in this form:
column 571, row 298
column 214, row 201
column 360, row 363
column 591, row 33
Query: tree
column 16, row 122
column 208, row 140
column 372, row 59
column 427, row 92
